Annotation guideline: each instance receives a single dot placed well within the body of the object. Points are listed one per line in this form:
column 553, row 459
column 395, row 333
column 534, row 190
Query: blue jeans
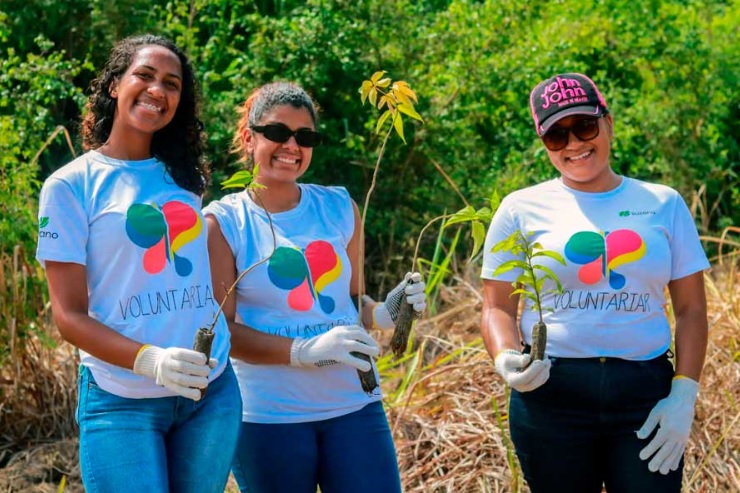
column 577, row 432
column 353, row 453
column 161, row 444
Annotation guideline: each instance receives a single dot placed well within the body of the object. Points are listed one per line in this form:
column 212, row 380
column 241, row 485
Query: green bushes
column 669, row 71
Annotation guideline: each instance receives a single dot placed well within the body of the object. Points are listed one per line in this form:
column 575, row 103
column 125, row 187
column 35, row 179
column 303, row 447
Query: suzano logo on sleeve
column 43, row 223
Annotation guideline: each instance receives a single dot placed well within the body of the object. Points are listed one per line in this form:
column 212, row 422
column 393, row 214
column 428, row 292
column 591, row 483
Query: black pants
column 577, row 432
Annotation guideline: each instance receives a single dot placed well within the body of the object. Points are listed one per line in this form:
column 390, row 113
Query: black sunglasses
column 584, row 129
column 277, row 132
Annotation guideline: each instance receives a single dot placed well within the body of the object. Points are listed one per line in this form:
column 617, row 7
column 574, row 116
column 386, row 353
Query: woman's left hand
column 385, row 314
column 674, row 416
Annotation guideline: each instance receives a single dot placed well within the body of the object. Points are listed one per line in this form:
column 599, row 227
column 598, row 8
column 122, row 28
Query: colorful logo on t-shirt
column 305, row 274
column 601, row 253
column 163, row 232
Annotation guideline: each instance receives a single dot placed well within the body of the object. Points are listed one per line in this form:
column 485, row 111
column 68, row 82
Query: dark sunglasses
column 277, row 132
column 584, row 129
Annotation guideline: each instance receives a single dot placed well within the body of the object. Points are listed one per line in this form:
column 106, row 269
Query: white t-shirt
column 621, row 249
column 302, row 291
column 143, row 242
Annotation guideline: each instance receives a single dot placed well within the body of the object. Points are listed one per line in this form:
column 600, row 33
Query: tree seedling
column 204, row 335
column 478, row 220
column 397, row 99
column 393, row 99
column 531, row 281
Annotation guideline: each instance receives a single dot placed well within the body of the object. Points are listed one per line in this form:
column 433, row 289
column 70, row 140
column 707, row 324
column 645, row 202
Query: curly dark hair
column 180, row 145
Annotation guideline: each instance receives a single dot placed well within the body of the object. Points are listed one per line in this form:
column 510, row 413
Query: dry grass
column 449, row 423
column 450, row 430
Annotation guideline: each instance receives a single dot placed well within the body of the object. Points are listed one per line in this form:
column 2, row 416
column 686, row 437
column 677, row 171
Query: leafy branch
column 394, row 99
column 240, row 179
column 397, row 98
column 533, row 276
column 245, row 179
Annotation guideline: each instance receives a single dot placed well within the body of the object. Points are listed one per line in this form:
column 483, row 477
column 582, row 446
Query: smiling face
column 280, row 163
column 584, row 165
column 148, row 93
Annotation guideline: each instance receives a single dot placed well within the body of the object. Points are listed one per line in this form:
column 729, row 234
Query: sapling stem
column 406, row 314
column 396, row 98
column 204, row 335
column 367, row 378
column 533, row 276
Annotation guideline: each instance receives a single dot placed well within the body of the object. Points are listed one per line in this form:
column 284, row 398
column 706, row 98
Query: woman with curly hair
column 124, row 246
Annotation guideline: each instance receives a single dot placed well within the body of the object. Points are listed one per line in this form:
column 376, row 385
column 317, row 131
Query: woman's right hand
column 183, row 371
column 519, row 373
column 334, row 346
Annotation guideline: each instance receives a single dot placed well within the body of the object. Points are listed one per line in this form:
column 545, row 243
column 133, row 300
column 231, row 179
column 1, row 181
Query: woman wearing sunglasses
column 296, row 345
column 606, row 406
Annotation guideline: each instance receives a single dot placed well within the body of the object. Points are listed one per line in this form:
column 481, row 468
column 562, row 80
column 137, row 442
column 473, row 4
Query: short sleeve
column 347, row 214
column 223, row 211
column 502, row 226
column 687, row 253
column 63, row 224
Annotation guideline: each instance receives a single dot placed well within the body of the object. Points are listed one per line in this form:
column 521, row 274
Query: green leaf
column 240, row 179
column 509, row 265
column 463, row 215
column 484, row 215
column 410, row 111
column 479, row 236
column 376, row 76
column 403, row 87
column 546, row 270
column 526, row 294
column 384, row 99
column 549, row 253
column 495, row 200
column 538, row 284
column 507, row 244
column 382, row 120
column 365, row 90
column 383, row 82
column 526, row 278
column 401, row 98
column 398, row 125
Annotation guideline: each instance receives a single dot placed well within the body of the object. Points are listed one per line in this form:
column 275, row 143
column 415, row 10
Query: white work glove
column 512, row 366
column 385, row 314
column 183, row 371
column 674, row 414
column 334, row 347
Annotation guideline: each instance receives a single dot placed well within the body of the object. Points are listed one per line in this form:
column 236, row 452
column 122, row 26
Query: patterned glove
column 183, row 371
column 334, row 346
column 512, row 366
column 385, row 314
column 674, row 414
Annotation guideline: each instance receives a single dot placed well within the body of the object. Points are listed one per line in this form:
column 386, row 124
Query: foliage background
column 669, row 70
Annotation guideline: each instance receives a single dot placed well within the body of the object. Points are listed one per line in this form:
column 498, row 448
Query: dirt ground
column 42, row 469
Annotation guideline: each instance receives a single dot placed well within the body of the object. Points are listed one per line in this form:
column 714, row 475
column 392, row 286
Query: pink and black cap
column 564, row 95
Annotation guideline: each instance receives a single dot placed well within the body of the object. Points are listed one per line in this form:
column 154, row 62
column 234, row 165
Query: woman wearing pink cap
column 611, row 404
